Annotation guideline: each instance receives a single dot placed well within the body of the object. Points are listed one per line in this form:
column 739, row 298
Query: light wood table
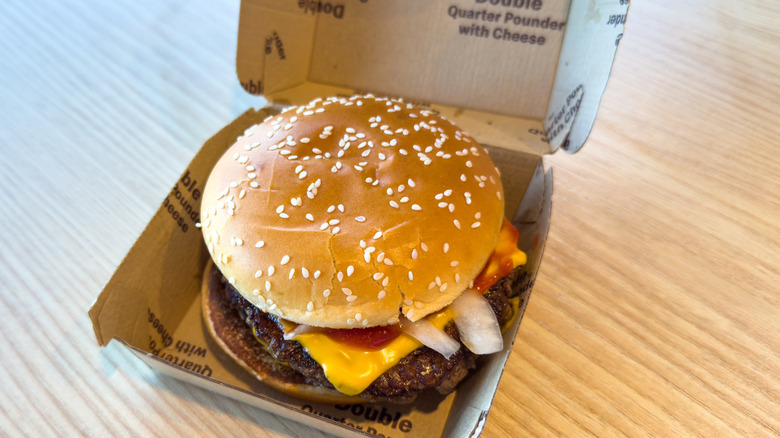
column 656, row 310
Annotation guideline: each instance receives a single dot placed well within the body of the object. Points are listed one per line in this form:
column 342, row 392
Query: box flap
column 593, row 32
column 488, row 65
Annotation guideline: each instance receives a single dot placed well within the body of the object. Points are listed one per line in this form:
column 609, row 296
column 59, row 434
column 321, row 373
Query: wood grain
column 656, row 308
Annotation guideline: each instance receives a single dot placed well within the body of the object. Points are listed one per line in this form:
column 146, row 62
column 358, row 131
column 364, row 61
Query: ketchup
column 502, row 261
column 369, row 338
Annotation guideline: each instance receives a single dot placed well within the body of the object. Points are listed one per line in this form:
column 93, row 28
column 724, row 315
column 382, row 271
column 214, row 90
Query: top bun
column 343, row 211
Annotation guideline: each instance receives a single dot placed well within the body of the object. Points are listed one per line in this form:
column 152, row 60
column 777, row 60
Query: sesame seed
column 310, row 217
column 448, row 192
column 431, row 285
column 271, row 270
column 439, row 196
column 267, row 286
column 451, row 208
column 457, row 277
column 280, row 209
column 377, row 235
column 254, row 184
column 411, row 276
column 304, row 140
column 258, row 273
column 381, row 294
column 394, row 204
column 445, row 247
column 351, row 298
column 378, row 276
column 468, row 163
column 475, row 225
column 424, row 247
column 498, row 195
column 437, row 280
column 324, row 226
column 477, row 215
column 414, row 254
column 387, row 261
column 358, row 316
column 333, row 222
column 304, row 272
column 310, row 306
column 331, row 209
column 347, row 291
column 340, row 207
column 443, row 287
column 457, row 223
column 292, row 273
column 380, row 257
column 416, row 207
column 442, row 204
column 389, row 191
column 302, row 175
column 350, row 270
column 298, row 168
column 285, row 260
column 410, row 182
column 326, row 293
column 454, row 263
column 335, row 230
column 284, row 215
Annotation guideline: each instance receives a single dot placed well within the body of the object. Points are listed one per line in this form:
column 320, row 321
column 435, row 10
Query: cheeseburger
column 359, row 251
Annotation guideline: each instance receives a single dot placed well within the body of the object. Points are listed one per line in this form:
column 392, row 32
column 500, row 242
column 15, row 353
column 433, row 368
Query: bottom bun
column 237, row 340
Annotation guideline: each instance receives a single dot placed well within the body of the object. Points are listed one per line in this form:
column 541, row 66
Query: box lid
column 526, row 75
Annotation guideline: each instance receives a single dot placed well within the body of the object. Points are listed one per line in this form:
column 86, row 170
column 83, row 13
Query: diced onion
column 477, row 324
column 431, row 336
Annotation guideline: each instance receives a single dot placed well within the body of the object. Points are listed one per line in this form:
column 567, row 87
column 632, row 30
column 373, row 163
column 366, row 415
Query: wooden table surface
column 655, row 312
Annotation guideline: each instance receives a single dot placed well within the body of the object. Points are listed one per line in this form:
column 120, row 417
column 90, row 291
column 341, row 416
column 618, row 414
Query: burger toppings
column 423, row 369
column 477, row 325
column 501, row 262
column 431, row 336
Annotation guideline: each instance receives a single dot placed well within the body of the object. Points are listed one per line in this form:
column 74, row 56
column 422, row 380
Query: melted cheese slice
column 352, row 369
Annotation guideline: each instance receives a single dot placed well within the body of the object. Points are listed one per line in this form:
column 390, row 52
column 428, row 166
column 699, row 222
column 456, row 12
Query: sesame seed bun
column 344, row 212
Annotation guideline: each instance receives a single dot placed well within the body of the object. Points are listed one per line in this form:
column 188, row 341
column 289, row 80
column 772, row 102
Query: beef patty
column 423, row 369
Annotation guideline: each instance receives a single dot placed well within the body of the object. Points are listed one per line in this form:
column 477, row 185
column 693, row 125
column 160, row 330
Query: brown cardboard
column 517, row 100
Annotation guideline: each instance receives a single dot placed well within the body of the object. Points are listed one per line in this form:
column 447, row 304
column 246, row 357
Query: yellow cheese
column 352, row 369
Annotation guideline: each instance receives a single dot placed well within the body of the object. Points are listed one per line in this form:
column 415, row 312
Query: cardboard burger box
column 523, row 77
